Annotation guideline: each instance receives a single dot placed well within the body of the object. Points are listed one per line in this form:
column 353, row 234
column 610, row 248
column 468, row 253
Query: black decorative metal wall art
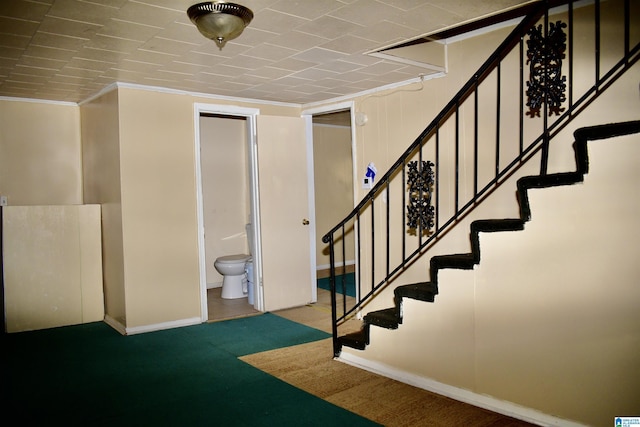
column 420, row 212
column 544, row 56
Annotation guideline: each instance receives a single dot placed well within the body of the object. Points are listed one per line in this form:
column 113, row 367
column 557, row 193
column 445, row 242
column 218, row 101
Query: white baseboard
column 115, row 324
column 480, row 400
column 150, row 328
column 214, row 285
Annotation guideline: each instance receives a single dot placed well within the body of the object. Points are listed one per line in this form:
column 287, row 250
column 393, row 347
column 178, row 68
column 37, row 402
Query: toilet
column 232, row 268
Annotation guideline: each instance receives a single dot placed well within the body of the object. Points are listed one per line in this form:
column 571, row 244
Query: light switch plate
column 3, row 201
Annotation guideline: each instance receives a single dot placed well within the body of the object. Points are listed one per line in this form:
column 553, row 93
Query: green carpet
column 349, row 284
column 89, row 375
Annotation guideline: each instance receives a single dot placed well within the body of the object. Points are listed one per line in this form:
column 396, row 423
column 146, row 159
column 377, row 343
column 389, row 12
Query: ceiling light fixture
column 220, row 21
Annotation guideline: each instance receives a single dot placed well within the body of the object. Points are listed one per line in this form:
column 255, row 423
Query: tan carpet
column 312, row 368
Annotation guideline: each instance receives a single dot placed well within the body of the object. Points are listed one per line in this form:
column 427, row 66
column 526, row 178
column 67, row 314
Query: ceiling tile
column 276, row 22
column 340, row 66
column 405, row 5
column 307, row 9
column 247, row 62
column 314, row 74
column 319, row 55
column 23, row 10
column 81, row 11
column 167, row 47
column 329, row 27
column 269, row 72
column 365, row 12
column 225, row 70
column 53, row 64
column 113, row 44
column 270, row 52
column 35, row 71
column 386, row 32
column 146, row 14
column 18, row 27
column 152, row 57
column 91, row 64
column 66, row 27
column 57, row 41
column 182, row 32
column 132, row 31
column 250, row 80
column 297, row 40
column 137, row 66
column 349, row 44
column 11, row 52
column 80, row 72
column 382, row 67
column 293, row 64
column 14, row 41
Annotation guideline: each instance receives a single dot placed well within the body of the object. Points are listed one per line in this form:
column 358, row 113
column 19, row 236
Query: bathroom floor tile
column 223, row 309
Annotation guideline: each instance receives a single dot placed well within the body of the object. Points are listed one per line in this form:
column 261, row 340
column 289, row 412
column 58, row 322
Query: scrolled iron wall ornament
column 420, row 211
column 546, row 82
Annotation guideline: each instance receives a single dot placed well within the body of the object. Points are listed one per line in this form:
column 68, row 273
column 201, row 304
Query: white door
column 287, row 277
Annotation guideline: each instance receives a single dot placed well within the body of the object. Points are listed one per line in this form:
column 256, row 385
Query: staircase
column 553, row 111
column 391, row 318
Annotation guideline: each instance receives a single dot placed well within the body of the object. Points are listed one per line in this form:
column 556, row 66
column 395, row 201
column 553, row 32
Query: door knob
column 305, row 222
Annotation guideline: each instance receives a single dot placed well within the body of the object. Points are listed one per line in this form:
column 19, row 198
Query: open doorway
column 226, row 164
column 333, row 177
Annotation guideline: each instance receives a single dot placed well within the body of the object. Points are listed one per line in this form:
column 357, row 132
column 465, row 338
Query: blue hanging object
column 369, row 176
column 371, row 172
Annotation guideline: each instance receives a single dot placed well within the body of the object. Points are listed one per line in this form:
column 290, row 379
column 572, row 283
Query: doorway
column 334, row 188
column 226, row 164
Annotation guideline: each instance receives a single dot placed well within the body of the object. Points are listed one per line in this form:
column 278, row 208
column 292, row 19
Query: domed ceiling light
column 220, row 21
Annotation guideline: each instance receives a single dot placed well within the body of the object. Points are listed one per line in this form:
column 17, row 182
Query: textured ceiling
column 294, row 51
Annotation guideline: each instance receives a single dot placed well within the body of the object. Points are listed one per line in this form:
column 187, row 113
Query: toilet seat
column 233, row 259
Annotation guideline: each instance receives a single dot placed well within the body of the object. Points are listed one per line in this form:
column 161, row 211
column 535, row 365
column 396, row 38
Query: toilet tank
column 249, row 230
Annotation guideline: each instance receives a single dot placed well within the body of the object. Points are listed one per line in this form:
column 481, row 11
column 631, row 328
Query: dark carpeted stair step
column 387, row 318
column 357, row 340
column 459, row 261
column 424, row 291
column 495, row 225
column 551, row 180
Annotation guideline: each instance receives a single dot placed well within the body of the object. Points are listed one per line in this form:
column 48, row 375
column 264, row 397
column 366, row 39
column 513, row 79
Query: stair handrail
column 484, row 70
column 516, row 37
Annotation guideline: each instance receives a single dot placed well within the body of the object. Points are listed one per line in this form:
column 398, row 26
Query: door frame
column 308, row 114
column 250, row 115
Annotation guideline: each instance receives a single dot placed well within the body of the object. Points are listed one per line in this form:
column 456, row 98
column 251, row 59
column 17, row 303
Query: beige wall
column 40, row 153
column 101, row 185
column 225, row 189
column 333, row 186
column 159, row 226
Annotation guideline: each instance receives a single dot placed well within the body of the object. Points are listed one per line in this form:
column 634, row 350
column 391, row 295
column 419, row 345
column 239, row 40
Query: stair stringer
column 479, row 360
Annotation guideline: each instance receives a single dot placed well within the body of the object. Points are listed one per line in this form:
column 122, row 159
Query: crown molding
column 121, row 85
column 38, row 101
